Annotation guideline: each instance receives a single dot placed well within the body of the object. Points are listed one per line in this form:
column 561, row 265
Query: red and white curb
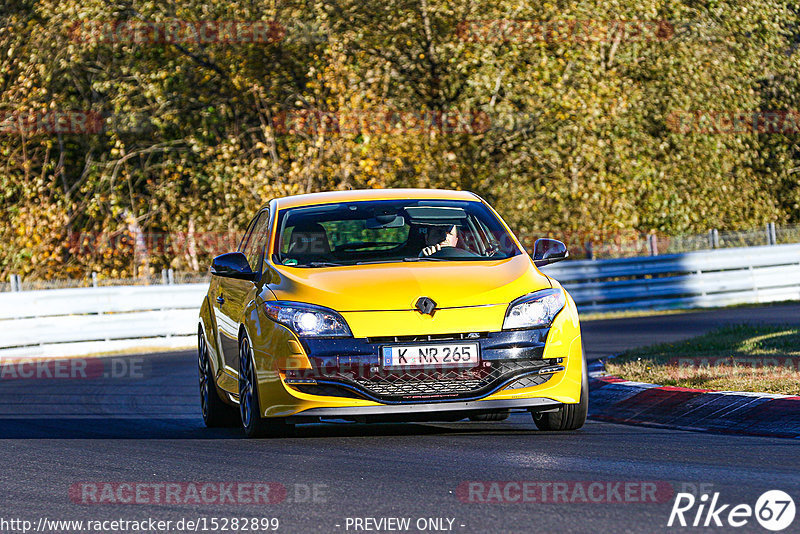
column 617, row 400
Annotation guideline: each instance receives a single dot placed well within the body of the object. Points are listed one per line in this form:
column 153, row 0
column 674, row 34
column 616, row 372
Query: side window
column 255, row 244
column 248, row 234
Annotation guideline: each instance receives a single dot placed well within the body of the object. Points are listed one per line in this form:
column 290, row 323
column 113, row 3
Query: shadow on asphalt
column 106, row 428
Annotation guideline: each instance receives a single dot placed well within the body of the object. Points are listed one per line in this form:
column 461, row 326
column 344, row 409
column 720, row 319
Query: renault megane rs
column 405, row 304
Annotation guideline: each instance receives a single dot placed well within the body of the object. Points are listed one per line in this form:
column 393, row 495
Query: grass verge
column 735, row 358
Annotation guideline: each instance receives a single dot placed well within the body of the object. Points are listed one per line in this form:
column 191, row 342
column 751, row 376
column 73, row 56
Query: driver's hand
column 427, row 251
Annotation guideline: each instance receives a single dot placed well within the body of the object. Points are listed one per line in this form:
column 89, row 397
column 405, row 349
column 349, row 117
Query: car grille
column 423, row 338
column 441, row 383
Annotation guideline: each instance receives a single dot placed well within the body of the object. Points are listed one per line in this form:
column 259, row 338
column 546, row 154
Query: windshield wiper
column 321, row 264
column 370, row 262
column 396, row 260
column 425, row 258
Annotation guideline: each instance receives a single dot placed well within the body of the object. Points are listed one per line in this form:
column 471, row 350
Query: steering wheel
column 451, row 252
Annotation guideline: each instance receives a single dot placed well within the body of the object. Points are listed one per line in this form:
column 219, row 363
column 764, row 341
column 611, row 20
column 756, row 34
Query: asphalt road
column 144, row 427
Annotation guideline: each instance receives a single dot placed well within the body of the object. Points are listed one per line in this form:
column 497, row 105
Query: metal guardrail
column 63, row 322
column 692, row 280
column 60, row 322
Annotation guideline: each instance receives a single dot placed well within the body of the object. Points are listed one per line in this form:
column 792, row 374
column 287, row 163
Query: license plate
column 442, row 355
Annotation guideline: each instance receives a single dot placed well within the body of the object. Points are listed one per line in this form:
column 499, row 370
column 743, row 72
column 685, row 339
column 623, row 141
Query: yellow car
column 385, row 305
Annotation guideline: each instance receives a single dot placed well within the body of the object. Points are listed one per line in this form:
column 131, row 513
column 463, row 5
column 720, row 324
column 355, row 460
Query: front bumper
column 351, row 368
column 281, row 395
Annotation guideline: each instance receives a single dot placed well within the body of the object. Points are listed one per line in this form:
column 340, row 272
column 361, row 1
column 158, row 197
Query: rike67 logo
column 774, row 510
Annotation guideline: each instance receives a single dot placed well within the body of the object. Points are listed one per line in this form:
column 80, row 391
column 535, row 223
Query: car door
column 233, row 294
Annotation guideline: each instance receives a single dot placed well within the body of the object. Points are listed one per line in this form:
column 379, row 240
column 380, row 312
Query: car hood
column 397, row 286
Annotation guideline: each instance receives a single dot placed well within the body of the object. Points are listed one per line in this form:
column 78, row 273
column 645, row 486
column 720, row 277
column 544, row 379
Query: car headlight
column 307, row 320
column 535, row 309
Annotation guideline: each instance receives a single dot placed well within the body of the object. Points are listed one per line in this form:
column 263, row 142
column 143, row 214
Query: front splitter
column 418, row 409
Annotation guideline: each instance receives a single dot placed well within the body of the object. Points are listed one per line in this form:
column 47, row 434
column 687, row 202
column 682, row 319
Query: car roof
column 355, row 195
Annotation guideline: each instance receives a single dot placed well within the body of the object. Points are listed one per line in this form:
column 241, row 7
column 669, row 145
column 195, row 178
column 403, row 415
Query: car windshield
column 382, row 231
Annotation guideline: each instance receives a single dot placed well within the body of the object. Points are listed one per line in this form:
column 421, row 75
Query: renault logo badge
column 426, row 305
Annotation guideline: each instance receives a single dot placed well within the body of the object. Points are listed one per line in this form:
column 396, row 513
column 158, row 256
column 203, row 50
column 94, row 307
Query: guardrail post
column 94, row 279
column 589, row 250
column 652, row 244
column 772, row 237
column 713, row 238
column 16, row 283
column 170, row 276
column 164, row 279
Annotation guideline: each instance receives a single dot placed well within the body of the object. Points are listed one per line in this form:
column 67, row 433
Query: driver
column 449, row 239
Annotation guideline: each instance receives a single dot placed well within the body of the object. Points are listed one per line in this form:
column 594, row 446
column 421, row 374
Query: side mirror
column 232, row 265
column 549, row 251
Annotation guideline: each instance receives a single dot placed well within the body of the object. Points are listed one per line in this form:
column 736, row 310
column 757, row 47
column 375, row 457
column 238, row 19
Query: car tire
column 497, row 415
column 253, row 424
column 568, row 416
column 216, row 413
